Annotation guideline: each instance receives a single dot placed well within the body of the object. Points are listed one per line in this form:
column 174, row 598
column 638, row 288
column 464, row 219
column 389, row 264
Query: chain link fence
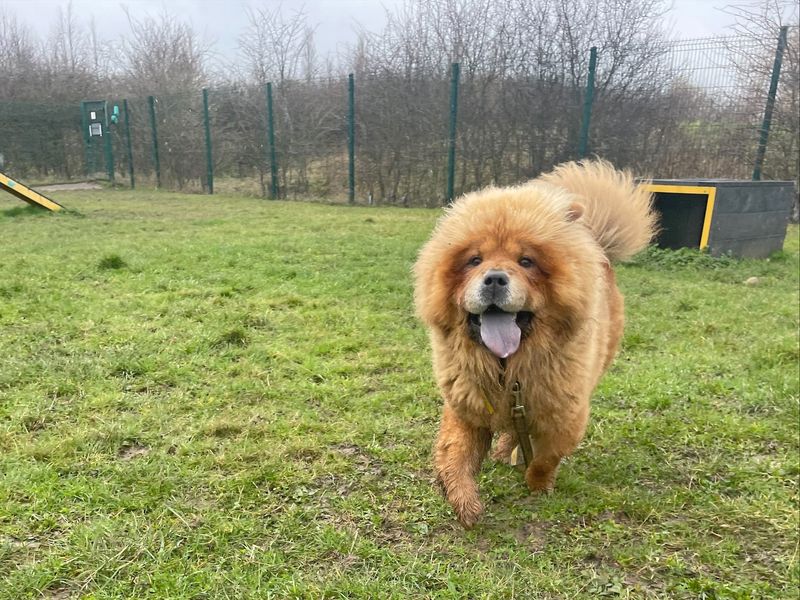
column 695, row 111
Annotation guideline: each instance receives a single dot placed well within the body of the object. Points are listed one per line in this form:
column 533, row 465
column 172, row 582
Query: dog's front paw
column 465, row 502
column 469, row 513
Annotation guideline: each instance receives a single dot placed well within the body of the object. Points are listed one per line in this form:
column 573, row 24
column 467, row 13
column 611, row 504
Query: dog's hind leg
column 459, row 451
column 504, row 447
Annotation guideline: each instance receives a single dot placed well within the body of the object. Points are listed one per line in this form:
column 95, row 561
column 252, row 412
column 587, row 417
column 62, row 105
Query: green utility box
column 97, row 137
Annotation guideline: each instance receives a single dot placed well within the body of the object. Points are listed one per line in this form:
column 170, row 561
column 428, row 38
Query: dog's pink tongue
column 500, row 333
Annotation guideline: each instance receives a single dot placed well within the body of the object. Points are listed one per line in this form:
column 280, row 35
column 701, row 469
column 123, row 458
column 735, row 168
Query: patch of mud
column 533, row 534
column 132, row 451
column 362, row 461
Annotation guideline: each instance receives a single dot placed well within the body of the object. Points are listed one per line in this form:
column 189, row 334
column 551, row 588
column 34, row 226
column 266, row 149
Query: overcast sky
column 221, row 21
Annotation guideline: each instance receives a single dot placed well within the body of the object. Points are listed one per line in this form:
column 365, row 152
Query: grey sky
column 221, row 21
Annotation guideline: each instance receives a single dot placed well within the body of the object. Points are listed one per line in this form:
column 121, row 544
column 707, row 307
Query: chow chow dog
column 519, row 296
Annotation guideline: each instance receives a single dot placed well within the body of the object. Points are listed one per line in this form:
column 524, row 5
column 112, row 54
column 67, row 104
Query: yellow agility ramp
column 31, row 196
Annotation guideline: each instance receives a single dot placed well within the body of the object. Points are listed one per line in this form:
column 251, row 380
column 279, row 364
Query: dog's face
column 502, row 284
column 499, row 263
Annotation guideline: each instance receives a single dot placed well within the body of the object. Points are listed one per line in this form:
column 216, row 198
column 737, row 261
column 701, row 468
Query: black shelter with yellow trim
column 724, row 216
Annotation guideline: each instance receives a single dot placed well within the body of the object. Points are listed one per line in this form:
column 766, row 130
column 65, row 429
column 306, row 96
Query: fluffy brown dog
column 517, row 290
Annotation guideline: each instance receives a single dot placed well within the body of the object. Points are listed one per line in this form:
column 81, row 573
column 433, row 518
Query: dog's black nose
column 495, row 279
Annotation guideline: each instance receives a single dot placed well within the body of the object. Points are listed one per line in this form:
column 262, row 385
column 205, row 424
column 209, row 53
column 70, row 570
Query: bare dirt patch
column 533, row 534
column 362, row 461
column 69, row 187
column 132, row 451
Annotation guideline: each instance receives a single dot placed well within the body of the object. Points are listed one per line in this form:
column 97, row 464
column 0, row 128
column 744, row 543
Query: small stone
column 752, row 281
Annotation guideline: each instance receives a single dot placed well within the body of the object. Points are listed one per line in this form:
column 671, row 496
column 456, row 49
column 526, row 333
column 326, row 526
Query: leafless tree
column 19, row 59
column 759, row 22
column 164, row 57
column 277, row 47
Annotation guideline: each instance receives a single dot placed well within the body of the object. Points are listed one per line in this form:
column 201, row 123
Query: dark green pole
column 109, row 152
column 773, row 90
column 209, row 160
column 588, row 98
column 86, row 138
column 109, row 155
column 273, row 163
column 152, row 103
column 351, row 138
column 451, row 143
column 128, row 142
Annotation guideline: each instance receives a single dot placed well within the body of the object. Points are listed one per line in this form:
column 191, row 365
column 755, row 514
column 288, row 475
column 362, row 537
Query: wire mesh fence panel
column 311, row 138
column 166, row 141
column 512, row 129
column 401, row 133
column 238, row 137
column 41, row 141
column 142, row 142
column 693, row 118
column 181, row 150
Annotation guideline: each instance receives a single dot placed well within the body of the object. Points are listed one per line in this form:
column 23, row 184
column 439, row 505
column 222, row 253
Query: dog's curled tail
column 617, row 209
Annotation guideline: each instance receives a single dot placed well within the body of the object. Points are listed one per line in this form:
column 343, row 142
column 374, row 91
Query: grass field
column 230, row 398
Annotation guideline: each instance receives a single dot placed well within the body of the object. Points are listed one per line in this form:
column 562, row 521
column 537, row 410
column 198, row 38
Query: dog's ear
column 574, row 212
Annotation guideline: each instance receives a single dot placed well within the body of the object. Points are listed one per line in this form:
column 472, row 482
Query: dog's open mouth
column 500, row 331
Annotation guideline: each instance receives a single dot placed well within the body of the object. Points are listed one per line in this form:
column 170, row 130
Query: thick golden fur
column 570, row 223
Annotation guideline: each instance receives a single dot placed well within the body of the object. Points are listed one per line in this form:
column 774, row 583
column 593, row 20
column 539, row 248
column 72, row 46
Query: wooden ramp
column 31, row 196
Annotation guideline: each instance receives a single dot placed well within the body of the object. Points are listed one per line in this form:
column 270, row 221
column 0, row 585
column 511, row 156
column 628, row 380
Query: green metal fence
column 423, row 138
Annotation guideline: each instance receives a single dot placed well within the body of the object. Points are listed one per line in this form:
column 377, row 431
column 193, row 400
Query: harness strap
column 521, row 424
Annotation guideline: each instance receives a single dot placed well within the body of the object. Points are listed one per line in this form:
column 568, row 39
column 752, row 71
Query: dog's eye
column 526, row 262
column 475, row 261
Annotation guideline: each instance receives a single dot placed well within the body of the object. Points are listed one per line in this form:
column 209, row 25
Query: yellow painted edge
column 709, row 191
column 31, row 194
column 679, row 189
column 712, row 195
column 47, row 203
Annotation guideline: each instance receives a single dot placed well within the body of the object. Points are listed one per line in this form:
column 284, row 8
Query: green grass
column 230, row 398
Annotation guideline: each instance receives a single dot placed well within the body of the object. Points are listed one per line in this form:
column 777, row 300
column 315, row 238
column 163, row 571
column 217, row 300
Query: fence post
column 351, row 138
column 151, row 101
column 107, row 149
column 209, row 160
column 773, row 90
column 273, row 163
column 451, row 143
column 87, row 153
column 128, row 142
column 588, row 98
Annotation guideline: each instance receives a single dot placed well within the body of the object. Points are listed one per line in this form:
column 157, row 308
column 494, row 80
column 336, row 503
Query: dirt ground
column 63, row 187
